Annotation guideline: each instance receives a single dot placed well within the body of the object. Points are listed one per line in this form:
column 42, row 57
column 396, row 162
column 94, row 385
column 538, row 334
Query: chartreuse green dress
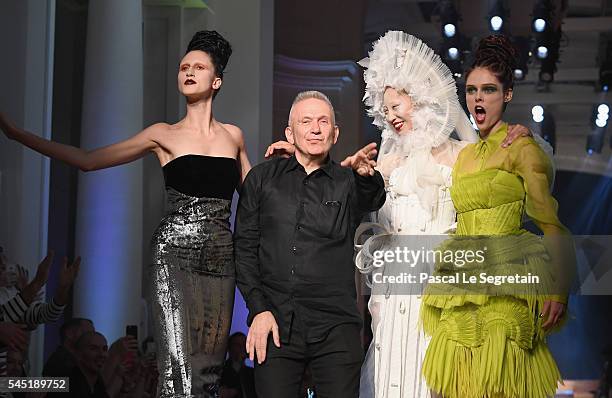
column 491, row 343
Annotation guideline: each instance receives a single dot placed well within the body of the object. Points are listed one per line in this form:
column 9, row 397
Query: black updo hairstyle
column 497, row 54
column 213, row 44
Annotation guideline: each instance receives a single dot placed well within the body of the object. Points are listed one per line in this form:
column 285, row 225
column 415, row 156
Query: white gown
column 392, row 368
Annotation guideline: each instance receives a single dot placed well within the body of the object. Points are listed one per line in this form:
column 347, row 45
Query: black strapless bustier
column 203, row 176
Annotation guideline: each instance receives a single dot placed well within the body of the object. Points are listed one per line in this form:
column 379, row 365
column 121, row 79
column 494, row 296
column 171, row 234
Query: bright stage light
column 537, row 110
column 519, row 74
column 450, row 30
column 539, row 25
column 542, row 52
column 496, row 23
column 453, row 53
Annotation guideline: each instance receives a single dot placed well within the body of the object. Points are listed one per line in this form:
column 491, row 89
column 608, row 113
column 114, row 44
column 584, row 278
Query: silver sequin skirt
column 193, row 279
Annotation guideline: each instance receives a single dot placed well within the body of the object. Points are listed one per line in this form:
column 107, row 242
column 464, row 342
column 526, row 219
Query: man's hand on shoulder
column 257, row 339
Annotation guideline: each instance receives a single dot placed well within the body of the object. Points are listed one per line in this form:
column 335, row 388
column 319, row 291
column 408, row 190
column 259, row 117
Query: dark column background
column 69, row 60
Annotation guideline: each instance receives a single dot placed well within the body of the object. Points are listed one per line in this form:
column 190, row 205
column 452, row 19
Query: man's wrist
column 263, row 312
column 367, row 176
column 253, row 315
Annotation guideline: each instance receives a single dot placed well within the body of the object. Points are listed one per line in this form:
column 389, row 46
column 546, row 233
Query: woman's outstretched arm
column 112, row 155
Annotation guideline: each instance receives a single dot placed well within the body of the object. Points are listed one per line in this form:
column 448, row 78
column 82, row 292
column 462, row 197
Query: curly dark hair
column 497, row 54
column 213, row 44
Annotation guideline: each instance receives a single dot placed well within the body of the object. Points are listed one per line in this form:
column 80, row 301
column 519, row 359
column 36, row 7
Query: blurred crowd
column 94, row 368
column 122, row 369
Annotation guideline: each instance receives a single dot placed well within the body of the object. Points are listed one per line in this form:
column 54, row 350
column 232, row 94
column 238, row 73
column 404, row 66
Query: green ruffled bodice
column 489, row 202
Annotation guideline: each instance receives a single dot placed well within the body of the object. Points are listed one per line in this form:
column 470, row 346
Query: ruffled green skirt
column 486, row 345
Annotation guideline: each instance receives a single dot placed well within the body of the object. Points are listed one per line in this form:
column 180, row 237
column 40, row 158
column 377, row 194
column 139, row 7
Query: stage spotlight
column 537, row 110
column 605, row 61
column 452, row 51
column 595, row 142
column 605, row 77
column 544, row 125
column 539, row 25
column 448, row 18
column 537, row 113
column 542, row 52
column 519, row 74
column 547, row 34
column 450, row 30
column 542, row 12
column 548, row 63
column 601, row 114
column 522, row 45
column 496, row 15
column 496, row 23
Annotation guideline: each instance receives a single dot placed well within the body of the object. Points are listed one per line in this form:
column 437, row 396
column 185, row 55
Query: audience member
column 19, row 306
column 63, row 359
column 94, row 369
column 16, row 360
column 122, row 357
column 86, row 379
column 237, row 379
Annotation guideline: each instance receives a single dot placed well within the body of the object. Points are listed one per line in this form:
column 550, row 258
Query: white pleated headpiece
column 404, row 62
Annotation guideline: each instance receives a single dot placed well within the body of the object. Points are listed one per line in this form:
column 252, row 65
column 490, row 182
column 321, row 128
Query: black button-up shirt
column 294, row 243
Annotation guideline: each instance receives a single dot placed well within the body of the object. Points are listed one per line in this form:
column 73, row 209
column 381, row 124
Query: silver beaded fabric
column 193, row 279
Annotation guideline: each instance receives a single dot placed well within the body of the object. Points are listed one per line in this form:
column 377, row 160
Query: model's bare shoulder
column 156, row 131
column 235, row 131
column 161, row 127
